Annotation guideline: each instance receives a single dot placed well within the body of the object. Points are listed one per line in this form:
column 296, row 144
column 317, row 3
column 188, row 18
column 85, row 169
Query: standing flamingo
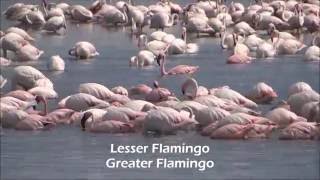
column 180, row 69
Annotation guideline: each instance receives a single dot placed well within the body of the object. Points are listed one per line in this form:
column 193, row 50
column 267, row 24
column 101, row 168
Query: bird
column 180, row 69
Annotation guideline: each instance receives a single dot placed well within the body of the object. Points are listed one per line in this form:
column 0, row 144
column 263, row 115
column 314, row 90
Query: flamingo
column 262, row 93
column 265, row 50
column 178, row 46
column 27, row 77
column 240, row 53
column 162, row 20
column 284, row 35
column 80, row 13
column 64, row 6
column 311, row 111
column 311, row 22
column 236, row 11
column 21, row 120
column 144, row 58
column 12, row 42
column 56, row 63
column 82, row 101
column 180, row 69
column 16, row 11
column 111, row 15
column 262, row 22
column 296, row 21
column 198, row 25
column 300, row 130
column 253, row 42
column 21, row 94
column 21, row 32
column 46, row 92
column 28, row 53
column 109, row 126
column 35, row 18
column 139, row 91
column 53, row 11
column 157, row 35
column 55, row 23
column 83, row 50
column 136, row 15
column 313, row 52
column 244, row 28
column 191, row 89
column 287, row 46
column 155, row 46
column 228, row 41
column 298, row 87
column 158, row 94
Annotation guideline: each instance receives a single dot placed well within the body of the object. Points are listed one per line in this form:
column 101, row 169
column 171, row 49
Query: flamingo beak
column 158, row 59
column 84, row 119
column 155, row 84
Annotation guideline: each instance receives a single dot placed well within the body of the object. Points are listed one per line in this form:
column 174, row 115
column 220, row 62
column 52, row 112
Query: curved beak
column 85, row 117
column 158, row 58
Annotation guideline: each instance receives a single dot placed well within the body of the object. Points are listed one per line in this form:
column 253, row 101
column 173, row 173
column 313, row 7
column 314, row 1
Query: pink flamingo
column 158, row 94
column 180, row 69
column 139, row 91
column 239, row 59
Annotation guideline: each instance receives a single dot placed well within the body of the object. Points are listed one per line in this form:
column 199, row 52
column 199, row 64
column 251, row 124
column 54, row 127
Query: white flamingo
column 28, row 53
column 21, row 32
column 313, row 52
column 56, row 63
column 144, row 58
column 180, row 46
column 55, row 23
column 155, row 46
column 80, row 13
column 83, row 50
column 12, row 42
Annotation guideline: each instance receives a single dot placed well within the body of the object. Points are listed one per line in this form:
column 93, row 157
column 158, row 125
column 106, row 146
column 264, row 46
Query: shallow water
column 68, row 153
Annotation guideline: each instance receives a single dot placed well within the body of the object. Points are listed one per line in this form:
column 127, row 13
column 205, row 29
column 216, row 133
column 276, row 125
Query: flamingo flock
column 264, row 29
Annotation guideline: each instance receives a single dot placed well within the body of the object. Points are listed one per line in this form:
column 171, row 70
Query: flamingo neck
column 133, row 25
column 171, row 20
column 223, row 45
column 45, row 109
column 162, row 68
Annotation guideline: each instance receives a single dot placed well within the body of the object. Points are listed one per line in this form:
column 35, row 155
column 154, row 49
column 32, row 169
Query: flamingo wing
column 183, row 69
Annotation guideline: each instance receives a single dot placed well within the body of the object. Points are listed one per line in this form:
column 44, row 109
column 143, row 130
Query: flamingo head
column 271, row 28
column 156, row 84
column 298, row 8
column 160, row 57
column 142, row 39
column 85, row 117
column 95, row 7
column 40, row 99
column 255, row 19
column 126, row 7
column 235, row 38
column 184, row 32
